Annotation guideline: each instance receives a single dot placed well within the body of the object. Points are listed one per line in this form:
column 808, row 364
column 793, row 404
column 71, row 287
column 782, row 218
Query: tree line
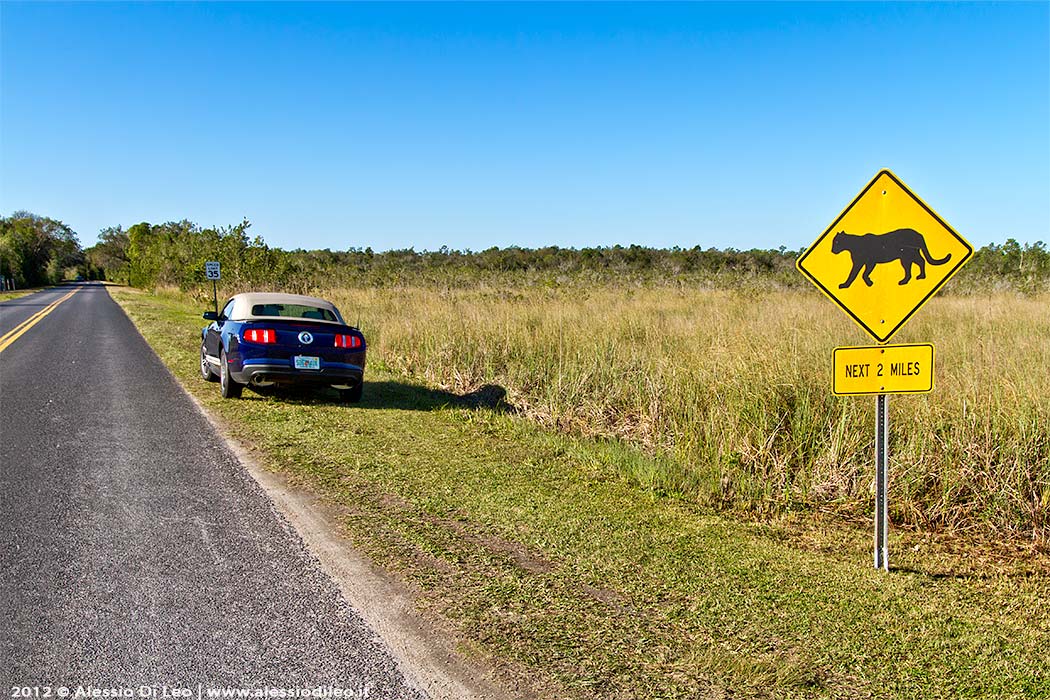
column 37, row 250
column 173, row 254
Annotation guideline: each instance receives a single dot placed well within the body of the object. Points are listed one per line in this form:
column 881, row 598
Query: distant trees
column 37, row 250
column 550, row 264
column 174, row 253
column 1011, row 265
column 111, row 254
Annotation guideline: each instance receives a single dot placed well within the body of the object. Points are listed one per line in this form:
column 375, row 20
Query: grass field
column 575, row 564
column 732, row 391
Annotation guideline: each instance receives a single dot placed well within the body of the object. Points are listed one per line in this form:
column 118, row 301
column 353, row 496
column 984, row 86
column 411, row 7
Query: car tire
column 228, row 387
column 206, row 371
column 352, row 395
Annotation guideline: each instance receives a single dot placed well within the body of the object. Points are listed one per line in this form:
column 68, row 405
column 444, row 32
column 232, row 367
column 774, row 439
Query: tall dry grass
column 732, row 390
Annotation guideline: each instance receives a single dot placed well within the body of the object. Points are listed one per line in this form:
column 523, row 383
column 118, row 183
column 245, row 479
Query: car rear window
column 293, row 311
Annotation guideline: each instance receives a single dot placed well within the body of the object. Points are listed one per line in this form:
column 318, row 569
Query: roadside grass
column 549, row 557
column 732, row 389
column 18, row 293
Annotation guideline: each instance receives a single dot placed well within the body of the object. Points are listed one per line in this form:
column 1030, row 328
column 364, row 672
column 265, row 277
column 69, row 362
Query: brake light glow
column 345, row 340
column 260, row 335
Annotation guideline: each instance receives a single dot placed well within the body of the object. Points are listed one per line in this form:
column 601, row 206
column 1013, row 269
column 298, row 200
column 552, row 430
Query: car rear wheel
column 228, row 387
column 206, row 370
column 352, row 395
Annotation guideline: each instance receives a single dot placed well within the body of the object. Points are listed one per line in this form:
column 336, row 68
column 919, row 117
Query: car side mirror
column 211, row 316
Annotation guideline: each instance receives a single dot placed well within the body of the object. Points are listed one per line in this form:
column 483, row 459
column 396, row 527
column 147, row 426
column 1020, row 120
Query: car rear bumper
column 281, row 372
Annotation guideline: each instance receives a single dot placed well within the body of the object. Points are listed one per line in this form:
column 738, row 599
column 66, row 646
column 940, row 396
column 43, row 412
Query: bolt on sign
column 884, row 256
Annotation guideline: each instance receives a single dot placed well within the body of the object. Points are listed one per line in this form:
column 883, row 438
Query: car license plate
column 306, row 362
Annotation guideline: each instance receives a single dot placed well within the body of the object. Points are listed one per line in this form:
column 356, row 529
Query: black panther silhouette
column 867, row 251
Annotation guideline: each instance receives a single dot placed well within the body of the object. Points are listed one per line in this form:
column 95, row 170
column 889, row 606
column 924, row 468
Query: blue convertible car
column 265, row 340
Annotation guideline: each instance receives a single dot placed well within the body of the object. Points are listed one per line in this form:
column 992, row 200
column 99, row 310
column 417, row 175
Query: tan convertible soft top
column 244, row 303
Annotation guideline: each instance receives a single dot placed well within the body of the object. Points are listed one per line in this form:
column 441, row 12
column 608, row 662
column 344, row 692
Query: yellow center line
column 16, row 332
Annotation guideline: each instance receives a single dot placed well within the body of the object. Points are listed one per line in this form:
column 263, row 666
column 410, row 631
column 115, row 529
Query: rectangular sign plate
column 305, row 362
column 883, row 369
column 212, row 270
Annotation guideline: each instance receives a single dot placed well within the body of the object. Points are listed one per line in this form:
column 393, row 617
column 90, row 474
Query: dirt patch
column 528, row 560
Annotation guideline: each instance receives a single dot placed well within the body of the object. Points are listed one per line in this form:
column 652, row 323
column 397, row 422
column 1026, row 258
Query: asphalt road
column 134, row 548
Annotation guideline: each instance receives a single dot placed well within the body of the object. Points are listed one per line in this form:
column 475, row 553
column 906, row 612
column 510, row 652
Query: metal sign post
column 882, row 459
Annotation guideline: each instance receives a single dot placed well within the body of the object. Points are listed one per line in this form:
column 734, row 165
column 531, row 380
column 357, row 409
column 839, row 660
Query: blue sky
column 473, row 125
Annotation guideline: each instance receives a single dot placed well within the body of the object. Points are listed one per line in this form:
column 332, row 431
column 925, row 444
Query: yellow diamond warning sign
column 884, row 256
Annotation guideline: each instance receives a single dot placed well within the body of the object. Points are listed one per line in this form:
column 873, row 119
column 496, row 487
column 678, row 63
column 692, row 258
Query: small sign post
column 882, row 482
column 212, row 272
column 885, row 256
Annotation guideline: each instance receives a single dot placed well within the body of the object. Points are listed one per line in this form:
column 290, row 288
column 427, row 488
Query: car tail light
column 260, row 335
column 345, row 340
